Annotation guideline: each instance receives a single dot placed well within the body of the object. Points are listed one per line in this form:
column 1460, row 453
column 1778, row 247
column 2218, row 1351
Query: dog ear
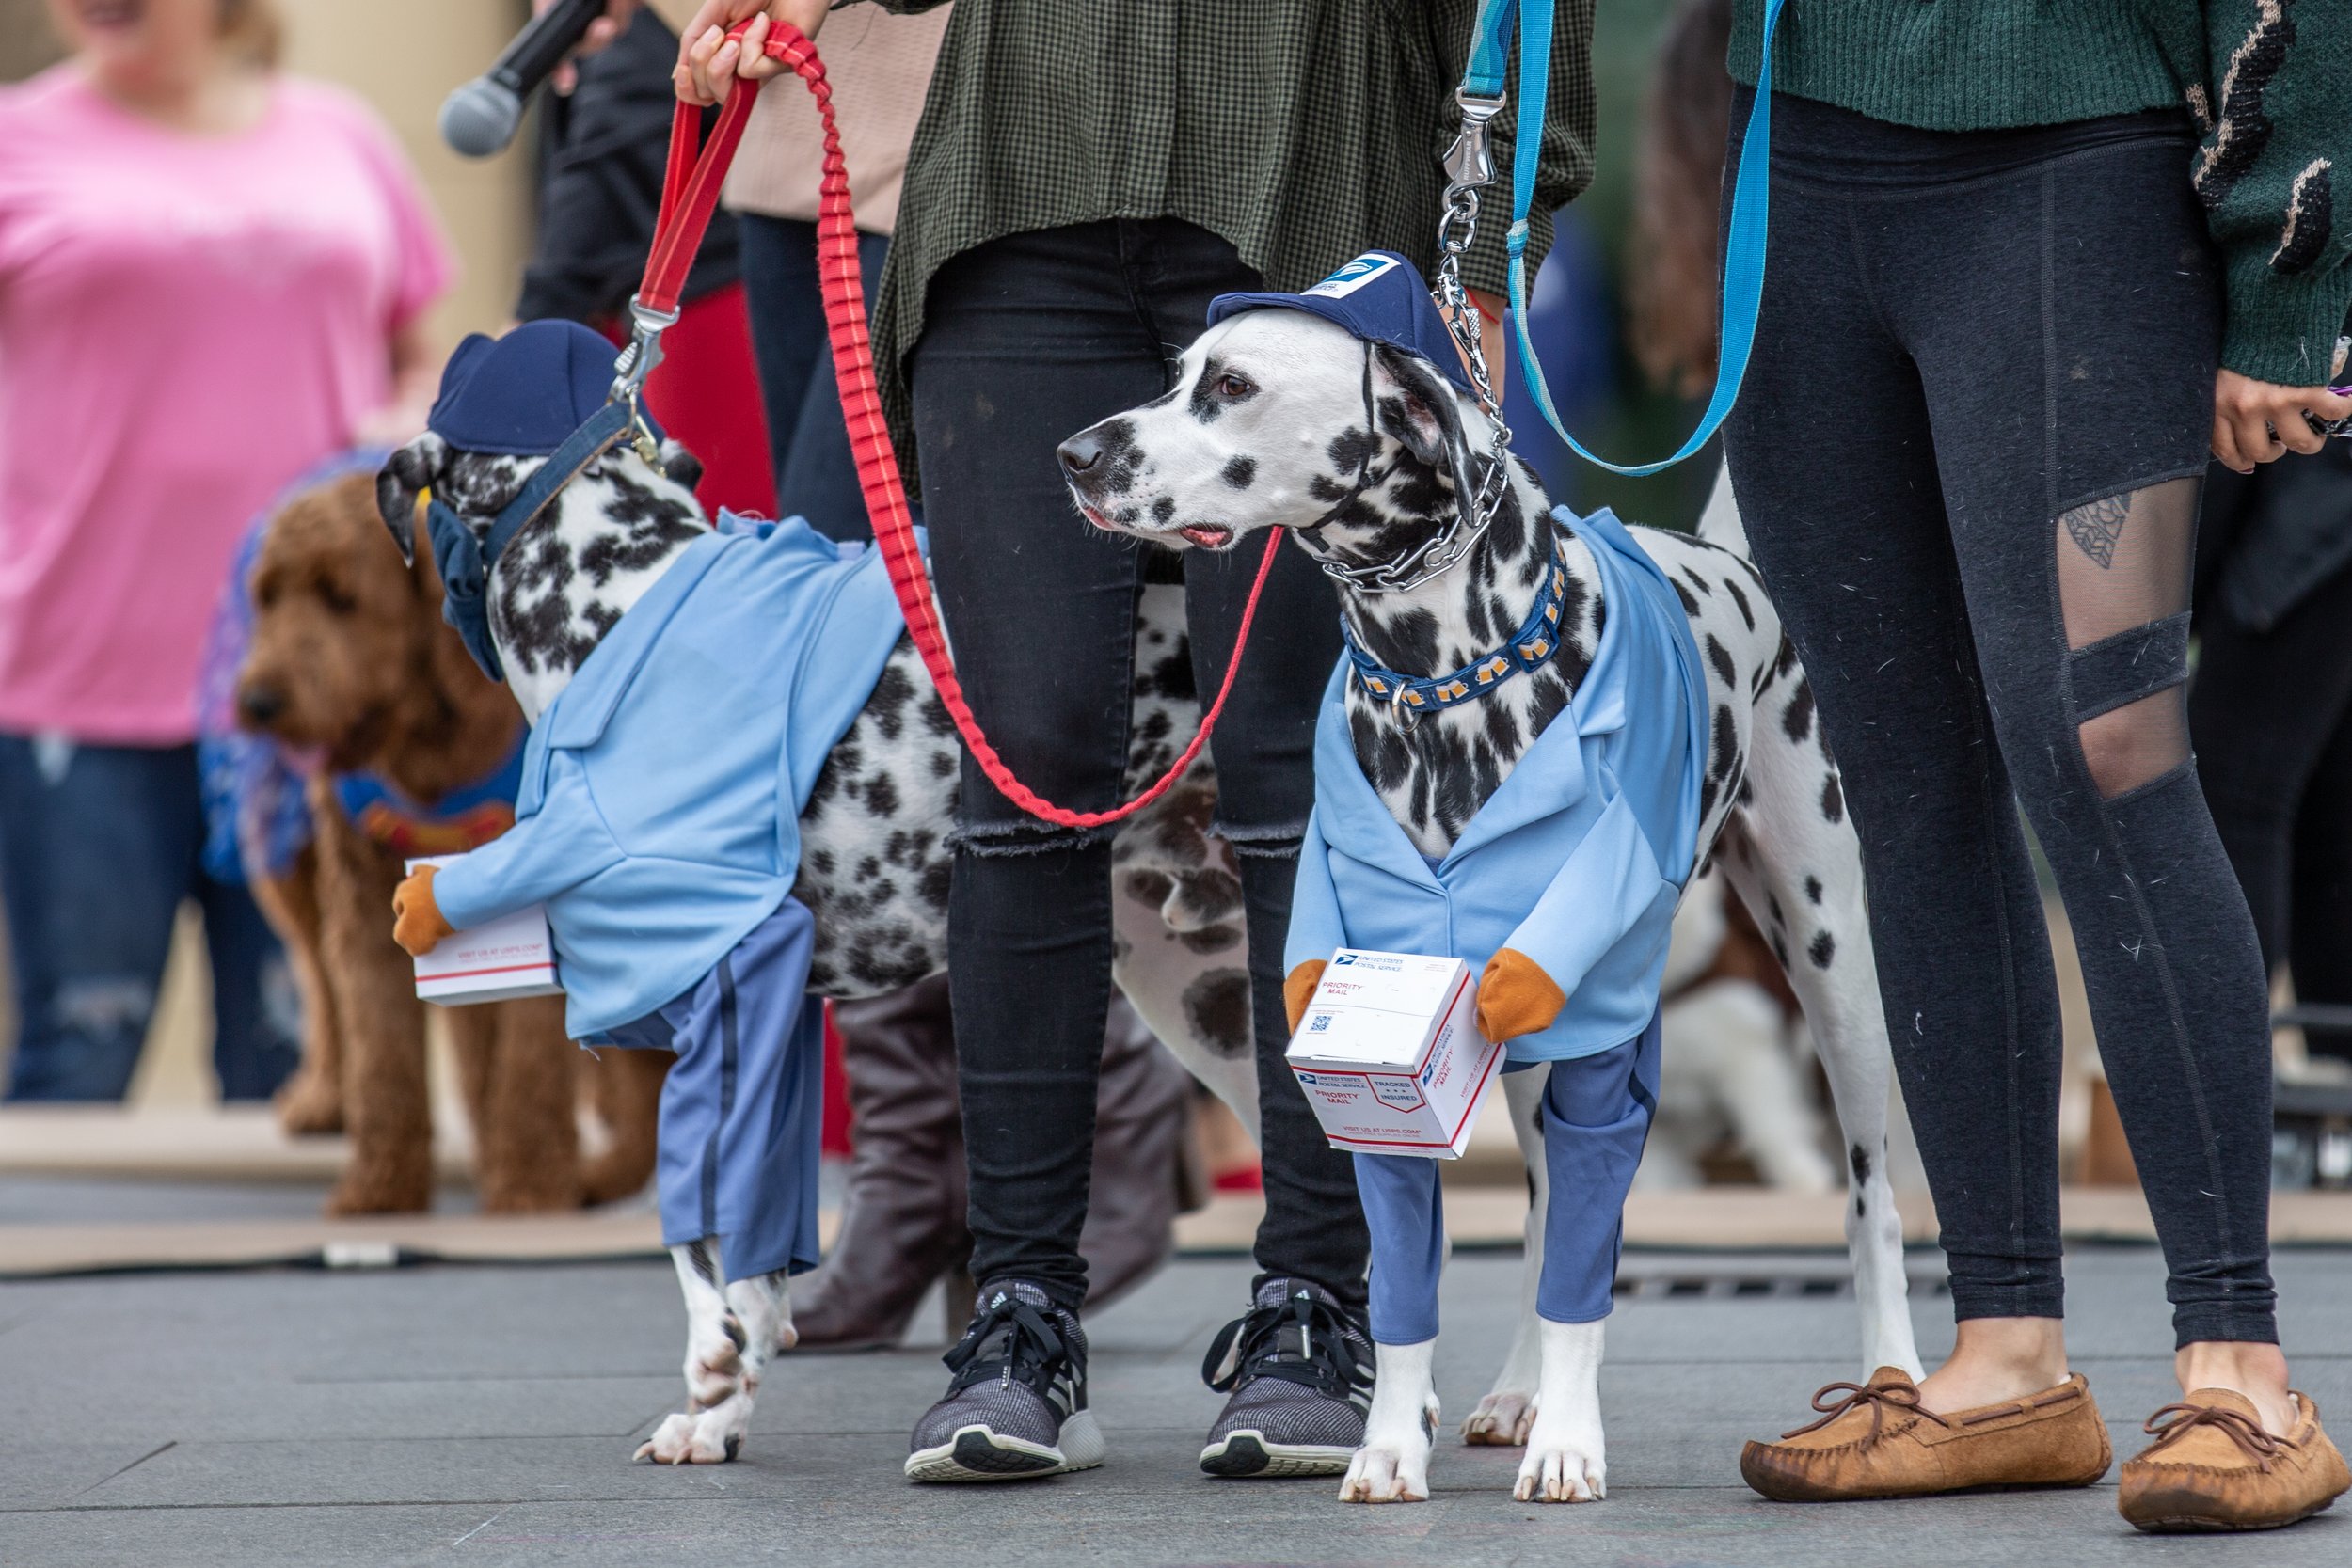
column 1417, row 407
column 679, row 467
column 406, row 475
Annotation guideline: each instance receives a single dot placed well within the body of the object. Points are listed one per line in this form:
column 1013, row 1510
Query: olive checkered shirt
column 1303, row 132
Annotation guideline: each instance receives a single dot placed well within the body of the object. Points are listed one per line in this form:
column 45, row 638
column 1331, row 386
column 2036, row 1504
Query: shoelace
column 2258, row 1442
column 1325, row 1359
column 1011, row 1338
column 1877, row 1396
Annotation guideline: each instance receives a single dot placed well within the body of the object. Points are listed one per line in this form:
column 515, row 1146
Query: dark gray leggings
column 1969, row 455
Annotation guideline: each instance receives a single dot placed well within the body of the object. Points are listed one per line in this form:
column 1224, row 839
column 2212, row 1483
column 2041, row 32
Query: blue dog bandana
column 538, row 392
column 1380, row 297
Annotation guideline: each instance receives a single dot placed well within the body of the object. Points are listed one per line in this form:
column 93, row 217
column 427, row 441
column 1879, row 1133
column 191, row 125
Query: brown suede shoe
column 1877, row 1442
column 2219, row 1469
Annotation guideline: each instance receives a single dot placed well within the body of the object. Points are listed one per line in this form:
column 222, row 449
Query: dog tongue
column 307, row 761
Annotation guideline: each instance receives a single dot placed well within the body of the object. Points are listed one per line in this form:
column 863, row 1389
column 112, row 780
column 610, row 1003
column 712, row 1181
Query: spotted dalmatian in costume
column 1365, row 452
column 873, row 832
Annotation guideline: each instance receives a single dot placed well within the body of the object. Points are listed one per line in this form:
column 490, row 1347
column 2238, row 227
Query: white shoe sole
column 1243, row 1455
column 975, row 1454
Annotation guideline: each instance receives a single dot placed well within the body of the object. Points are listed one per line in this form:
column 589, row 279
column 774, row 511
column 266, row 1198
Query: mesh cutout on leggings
column 2123, row 571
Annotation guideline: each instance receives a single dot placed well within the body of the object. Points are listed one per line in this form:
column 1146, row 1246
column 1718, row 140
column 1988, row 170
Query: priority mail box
column 1390, row 1054
column 508, row 958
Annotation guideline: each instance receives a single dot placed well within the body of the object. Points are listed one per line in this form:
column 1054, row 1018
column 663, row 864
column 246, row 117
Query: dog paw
column 1390, row 1467
column 1502, row 1420
column 1561, row 1471
column 712, row 1436
column 309, row 1106
column 372, row 1193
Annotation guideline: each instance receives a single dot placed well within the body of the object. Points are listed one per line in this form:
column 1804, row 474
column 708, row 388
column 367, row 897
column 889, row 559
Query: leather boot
column 1141, row 1122
column 902, row 1218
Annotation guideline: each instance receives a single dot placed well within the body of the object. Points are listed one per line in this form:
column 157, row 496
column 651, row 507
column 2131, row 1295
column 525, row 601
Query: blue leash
column 1487, row 78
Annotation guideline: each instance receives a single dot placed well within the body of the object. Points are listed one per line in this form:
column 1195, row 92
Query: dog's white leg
column 1801, row 879
column 1392, row 1466
column 1566, row 1460
column 1504, row 1414
column 730, row 1333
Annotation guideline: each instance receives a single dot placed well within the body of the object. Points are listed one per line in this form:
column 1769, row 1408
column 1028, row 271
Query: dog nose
column 260, row 704
column 1079, row 454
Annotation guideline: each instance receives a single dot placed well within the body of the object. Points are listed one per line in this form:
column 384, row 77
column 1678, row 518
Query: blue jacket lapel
column 1353, row 820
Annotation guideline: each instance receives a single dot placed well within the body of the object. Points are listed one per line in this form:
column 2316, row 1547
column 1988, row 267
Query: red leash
column 689, row 196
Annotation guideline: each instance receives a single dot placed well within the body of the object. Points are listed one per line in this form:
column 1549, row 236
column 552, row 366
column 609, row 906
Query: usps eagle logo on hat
column 1368, row 268
column 1380, row 297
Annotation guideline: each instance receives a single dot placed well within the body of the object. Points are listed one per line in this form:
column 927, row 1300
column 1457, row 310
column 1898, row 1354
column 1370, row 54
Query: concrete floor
column 485, row 1416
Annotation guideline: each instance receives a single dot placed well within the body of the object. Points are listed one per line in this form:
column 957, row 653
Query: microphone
column 480, row 117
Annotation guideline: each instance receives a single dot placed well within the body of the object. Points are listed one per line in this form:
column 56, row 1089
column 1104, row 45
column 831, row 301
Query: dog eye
column 336, row 599
column 1234, row 385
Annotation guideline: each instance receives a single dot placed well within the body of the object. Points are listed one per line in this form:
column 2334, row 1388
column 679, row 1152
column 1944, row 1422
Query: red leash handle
column 689, row 196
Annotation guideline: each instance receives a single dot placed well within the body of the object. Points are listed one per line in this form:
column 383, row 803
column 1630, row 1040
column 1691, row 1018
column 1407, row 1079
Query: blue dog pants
column 743, row 1110
column 1596, row 1114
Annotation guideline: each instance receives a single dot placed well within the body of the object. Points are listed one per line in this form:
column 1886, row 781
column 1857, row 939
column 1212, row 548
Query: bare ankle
column 2257, row 1370
column 1994, row 1359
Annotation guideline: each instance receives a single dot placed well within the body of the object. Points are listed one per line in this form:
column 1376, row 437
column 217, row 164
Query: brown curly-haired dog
column 350, row 660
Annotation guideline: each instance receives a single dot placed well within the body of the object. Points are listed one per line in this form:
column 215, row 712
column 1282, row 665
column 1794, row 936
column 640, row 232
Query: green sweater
column 2268, row 82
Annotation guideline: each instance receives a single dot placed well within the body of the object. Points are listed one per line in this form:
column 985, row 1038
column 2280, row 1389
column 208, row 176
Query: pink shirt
column 187, row 323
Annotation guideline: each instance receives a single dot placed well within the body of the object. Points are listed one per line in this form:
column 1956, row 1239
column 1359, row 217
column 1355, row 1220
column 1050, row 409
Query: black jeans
column 2271, row 716
column 1026, row 340
column 1968, row 454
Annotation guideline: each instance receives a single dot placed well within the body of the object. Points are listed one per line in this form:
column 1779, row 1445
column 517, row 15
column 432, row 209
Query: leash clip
column 643, row 352
column 637, row 362
column 1469, row 162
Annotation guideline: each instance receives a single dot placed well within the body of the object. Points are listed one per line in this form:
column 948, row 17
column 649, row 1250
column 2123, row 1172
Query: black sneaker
column 1017, row 1406
column 1300, row 1375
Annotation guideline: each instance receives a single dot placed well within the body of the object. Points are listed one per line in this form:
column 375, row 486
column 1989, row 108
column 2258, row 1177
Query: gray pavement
column 487, row 1415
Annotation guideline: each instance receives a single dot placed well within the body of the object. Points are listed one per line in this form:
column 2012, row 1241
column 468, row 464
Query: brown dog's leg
column 312, row 1099
column 526, row 1132
column 625, row 1087
column 386, row 1111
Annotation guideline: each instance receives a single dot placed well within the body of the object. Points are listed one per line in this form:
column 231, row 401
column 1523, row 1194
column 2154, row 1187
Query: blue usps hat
column 523, row 394
column 1380, row 297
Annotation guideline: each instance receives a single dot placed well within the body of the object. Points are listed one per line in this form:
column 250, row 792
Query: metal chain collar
column 1470, row 167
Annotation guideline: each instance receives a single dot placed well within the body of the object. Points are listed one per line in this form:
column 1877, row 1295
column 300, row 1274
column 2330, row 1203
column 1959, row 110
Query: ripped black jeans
column 1968, row 456
column 1026, row 340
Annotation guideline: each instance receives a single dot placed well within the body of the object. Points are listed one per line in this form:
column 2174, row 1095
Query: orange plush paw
column 1515, row 997
column 417, row 922
column 1299, row 989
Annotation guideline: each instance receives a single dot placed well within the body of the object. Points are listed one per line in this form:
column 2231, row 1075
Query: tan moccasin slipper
column 2213, row 1467
column 1876, row 1441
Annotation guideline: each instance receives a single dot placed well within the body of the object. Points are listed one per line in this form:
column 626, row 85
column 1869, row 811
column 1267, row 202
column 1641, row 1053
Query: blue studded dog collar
column 1526, row 653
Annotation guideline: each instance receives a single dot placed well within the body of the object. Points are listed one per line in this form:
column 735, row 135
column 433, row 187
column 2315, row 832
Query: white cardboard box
column 509, row 958
column 1390, row 1054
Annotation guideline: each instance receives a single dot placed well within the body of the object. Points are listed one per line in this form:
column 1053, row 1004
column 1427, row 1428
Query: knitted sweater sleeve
column 2277, row 144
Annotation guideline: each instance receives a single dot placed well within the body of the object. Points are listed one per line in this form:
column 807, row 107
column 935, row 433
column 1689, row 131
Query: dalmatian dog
column 1267, row 428
column 875, row 855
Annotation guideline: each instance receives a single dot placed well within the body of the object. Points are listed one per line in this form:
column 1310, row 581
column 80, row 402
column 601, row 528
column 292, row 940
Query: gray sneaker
column 1300, row 1367
column 1017, row 1406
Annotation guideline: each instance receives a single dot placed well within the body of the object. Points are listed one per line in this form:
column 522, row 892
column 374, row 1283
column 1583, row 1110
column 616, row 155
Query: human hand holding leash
column 416, row 922
column 709, row 61
column 2260, row 421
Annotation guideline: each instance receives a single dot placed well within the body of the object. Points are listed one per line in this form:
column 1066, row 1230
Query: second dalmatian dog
column 1542, row 726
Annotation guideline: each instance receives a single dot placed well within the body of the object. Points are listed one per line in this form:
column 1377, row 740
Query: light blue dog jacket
column 662, row 792
column 1577, row 860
